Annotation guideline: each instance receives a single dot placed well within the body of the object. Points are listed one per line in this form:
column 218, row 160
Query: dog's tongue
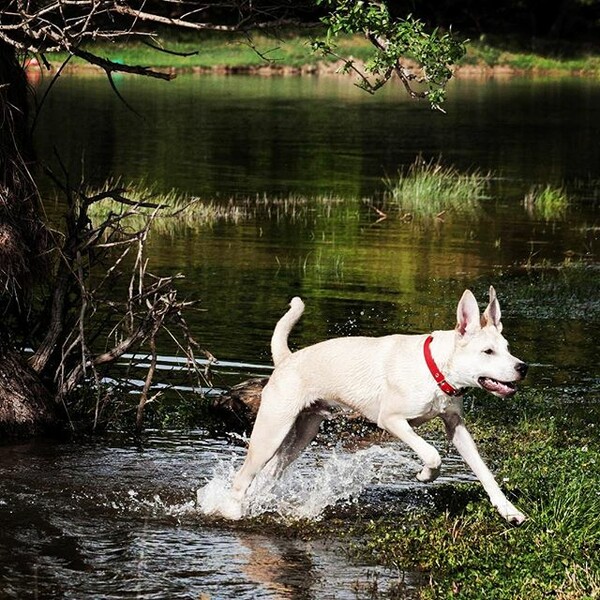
column 497, row 387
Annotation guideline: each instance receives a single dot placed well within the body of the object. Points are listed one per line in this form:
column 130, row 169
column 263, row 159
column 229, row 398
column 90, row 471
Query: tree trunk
column 26, row 407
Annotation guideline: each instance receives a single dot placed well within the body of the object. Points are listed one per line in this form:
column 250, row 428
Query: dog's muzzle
column 504, row 389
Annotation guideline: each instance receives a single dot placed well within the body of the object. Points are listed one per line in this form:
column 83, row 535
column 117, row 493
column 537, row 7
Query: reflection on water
column 218, row 135
column 108, row 519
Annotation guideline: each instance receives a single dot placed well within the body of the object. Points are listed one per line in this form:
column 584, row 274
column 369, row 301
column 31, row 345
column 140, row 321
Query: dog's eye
column 488, row 351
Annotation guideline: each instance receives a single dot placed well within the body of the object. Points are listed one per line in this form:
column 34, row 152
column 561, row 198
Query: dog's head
column 481, row 357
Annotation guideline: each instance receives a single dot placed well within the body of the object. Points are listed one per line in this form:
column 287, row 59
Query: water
column 109, row 518
column 246, row 135
column 243, row 137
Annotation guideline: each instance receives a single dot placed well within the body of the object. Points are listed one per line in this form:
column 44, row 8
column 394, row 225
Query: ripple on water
column 115, row 520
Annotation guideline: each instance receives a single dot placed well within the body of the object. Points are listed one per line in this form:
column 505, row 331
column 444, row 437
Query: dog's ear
column 492, row 314
column 467, row 314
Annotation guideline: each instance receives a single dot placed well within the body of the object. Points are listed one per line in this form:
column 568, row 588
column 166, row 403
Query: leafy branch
column 394, row 41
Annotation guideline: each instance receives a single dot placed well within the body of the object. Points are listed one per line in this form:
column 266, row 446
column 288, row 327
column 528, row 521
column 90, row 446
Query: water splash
column 310, row 485
column 211, row 498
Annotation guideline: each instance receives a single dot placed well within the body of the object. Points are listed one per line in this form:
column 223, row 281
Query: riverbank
column 456, row 544
column 291, row 54
column 546, row 461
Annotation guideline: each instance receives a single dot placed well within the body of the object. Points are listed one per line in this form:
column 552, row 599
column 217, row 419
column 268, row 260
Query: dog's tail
column 279, row 341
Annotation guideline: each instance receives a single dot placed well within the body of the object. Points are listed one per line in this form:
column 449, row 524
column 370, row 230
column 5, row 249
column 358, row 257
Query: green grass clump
column 172, row 211
column 548, row 203
column 429, row 188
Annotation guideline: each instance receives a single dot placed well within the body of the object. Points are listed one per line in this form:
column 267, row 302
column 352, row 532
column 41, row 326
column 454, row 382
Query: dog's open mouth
column 498, row 388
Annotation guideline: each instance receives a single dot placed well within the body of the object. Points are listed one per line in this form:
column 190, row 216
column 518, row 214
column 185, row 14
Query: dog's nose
column 522, row 369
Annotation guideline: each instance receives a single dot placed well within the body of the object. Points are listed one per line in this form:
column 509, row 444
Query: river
column 110, row 518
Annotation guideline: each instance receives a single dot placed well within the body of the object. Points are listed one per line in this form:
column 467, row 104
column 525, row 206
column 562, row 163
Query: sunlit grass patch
column 223, row 50
column 555, row 58
column 291, row 48
column 205, row 52
column 547, row 465
column 169, row 210
column 138, row 204
column 428, row 188
column 549, row 203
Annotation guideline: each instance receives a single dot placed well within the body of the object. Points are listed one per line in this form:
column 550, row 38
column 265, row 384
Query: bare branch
column 112, row 67
column 123, row 9
column 139, row 418
column 68, row 355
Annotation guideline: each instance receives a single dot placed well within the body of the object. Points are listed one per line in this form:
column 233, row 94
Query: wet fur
column 387, row 380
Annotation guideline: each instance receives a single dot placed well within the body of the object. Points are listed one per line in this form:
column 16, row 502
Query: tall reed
column 548, row 203
column 428, row 188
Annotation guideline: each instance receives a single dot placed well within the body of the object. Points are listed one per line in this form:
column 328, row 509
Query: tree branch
column 112, row 67
column 123, row 9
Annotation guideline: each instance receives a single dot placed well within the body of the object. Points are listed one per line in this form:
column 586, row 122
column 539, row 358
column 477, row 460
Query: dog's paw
column 516, row 518
column 513, row 515
column 428, row 474
column 218, row 505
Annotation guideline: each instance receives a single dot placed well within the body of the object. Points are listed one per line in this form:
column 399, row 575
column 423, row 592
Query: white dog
column 396, row 381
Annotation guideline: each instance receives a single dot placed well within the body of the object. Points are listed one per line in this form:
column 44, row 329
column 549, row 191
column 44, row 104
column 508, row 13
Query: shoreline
column 464, row 71
column 291, row 55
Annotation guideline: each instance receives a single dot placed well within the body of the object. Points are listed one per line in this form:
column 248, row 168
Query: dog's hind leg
column 275, row 419
column 267, row 437
column 299, row 437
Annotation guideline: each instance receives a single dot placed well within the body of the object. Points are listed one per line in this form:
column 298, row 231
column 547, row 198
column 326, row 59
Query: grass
column 223, row 50
column 471, row 552
column 290, row 49
column 172, row 211
column 548, row 203
column 553, row 60
column 428, row 188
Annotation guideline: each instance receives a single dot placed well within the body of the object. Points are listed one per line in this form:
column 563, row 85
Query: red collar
column 448, row 389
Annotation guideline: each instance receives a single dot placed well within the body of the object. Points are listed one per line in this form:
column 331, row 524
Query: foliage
column 548, row 202
column 393, row 40
column 428, row 188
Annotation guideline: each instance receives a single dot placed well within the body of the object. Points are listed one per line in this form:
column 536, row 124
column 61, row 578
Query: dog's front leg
column 464, row 443
column 427, row 453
